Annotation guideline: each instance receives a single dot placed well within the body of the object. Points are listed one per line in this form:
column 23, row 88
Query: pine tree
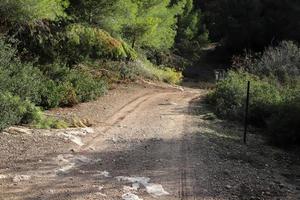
column 21, row 11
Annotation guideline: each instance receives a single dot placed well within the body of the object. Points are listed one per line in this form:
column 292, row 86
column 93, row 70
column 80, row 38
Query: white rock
column 19, row 178
column 105, row 174
column 75, row 139
column 65, row 169
column 2, row 176
column 82, row 159
column 130, row 196
column 155, row 190
column 89, row 130
column 101, row 194
column 18, row 131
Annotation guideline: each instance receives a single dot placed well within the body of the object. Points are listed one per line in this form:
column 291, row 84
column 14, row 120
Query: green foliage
column 275, row 90
column 11, row 110
column 274, row 108
column 281, row 62
column 92, row 11
column 44, row 122
column 145, row 23
column 148, row 70
column 20, row 79
column 15, row 111
column 230, row 94
column 192, row 34
column 88, row 42
column 284, row 127
column 23, row 11
column 159, row 20
column 67, row 87
column 86, row 86
column 46, row 40
column 42, row 41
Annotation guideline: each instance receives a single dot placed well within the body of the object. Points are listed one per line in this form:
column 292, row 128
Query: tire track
column 120, row 116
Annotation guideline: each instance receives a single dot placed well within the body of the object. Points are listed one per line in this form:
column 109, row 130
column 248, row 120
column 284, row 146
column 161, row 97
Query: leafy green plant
column 283, row 126
column 12, row 110
column 20, row 79
column 49, row 122
column 85, row 85
column 146, row 69
column 230, row 94
column 21, row 11
column 281, row 62
column 89, row 42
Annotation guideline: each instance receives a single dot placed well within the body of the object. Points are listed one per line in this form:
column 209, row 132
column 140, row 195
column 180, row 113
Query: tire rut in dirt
column 186, row 191
column 118, row 117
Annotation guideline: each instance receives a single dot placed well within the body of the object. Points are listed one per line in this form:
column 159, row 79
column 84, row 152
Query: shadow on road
column 208, row 162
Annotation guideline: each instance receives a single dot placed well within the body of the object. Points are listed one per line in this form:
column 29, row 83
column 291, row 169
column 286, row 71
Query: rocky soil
column 146, row 142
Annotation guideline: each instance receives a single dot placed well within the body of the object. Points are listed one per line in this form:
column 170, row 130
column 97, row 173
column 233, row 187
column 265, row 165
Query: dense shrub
column 20, row 79
column 66, row 87
column 284, row 126
column 21, row 11
column 88, row 42
column 146, row 69
column 16, row 111
column 86, row 86
column 11, row 110
column 42, row 41
column 58, row 94
column 281, row 62
column 273, row 107
column 230, row 94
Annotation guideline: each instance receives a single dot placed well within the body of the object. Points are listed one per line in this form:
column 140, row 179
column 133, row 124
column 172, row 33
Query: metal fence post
column 246, row 113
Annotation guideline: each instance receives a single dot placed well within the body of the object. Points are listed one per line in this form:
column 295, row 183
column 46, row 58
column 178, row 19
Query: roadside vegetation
column 275, row 92
column 64, row 52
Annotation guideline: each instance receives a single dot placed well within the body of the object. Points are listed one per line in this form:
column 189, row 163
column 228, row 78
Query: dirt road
column 146, row 143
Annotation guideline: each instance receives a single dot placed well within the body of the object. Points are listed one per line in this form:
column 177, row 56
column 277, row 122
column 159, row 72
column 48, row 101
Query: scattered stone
column 130, row 196
column 228, row 186
column 75, row 139
column 154, row 190
column 65, row 169
column 105, row 174
column 19, row 178
column 18, row 131
column 2, row 176
column 89, row 130
column 101, row 194
column 83, row 159
column 100, row 188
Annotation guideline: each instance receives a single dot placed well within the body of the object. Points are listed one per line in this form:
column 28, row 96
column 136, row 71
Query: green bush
column 89, row 42
column 281, row 63
column 277, row 109
column 51, row 95
column 11, row 110
column 230, row 94
column 16, row 111
column 146, row 69
column 284, row 126
column 67, row 87
column 20, row 79
column 86, row 86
